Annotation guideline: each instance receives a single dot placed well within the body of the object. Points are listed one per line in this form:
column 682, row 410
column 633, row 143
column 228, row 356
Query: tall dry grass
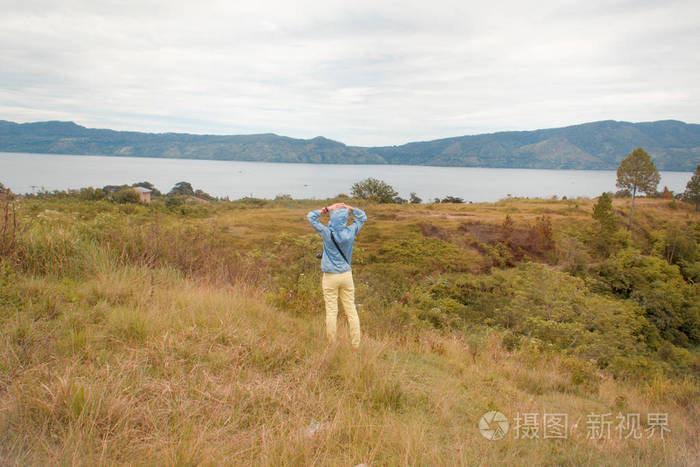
column 139, row 347
column 143, row 366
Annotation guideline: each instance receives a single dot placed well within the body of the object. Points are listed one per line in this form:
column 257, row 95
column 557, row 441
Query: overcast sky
column 364, row 73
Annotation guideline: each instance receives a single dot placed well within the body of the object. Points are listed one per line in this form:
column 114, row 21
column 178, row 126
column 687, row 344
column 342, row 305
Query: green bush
column 676, row 245
column 298, row 285
column 374, row 190
column 174, row 202
column 126, row 195
column 429, row 254
column 658, row 287
column 537, row 302
column 92, row 194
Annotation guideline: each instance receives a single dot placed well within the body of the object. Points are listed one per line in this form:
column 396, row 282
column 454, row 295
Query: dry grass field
column 134, row 335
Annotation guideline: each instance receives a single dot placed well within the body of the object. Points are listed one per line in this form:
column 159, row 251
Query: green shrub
column 658, row 287
column 126, row 195
column 429, row 254
column 298, row 285
column 539, row 303
column 500, row 255
column 174, row 202
column 374, row 190
column 92, row 194
column 9, row 298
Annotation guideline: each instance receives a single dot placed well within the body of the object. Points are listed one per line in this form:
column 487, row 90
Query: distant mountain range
column 672, row 144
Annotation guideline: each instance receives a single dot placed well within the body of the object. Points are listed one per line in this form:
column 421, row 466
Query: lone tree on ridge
column 637, row 172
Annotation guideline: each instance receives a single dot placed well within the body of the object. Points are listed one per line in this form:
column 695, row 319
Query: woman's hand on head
column 335, row 206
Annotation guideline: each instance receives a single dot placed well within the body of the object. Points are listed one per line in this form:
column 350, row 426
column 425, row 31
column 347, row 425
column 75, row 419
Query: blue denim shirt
column 332, row 260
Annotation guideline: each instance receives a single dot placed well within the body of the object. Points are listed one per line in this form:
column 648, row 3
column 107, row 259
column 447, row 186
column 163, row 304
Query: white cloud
column 362, row 73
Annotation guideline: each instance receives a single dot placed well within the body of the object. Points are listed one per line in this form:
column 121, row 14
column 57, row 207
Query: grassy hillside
column 194, row 334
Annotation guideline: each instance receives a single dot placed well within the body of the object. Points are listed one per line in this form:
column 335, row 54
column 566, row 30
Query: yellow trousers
column 340, row 285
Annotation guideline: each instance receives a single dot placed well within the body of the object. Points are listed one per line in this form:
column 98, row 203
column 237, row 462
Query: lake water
column 26, row 173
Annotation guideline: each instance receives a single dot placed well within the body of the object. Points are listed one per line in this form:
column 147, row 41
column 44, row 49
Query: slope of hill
column 69, row 138
column 134, row 334
column 674, row 145
column 599, row 145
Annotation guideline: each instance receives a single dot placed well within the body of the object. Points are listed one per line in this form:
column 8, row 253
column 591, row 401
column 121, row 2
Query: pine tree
column 603, row 213
column 637, row 172
column 692, row 189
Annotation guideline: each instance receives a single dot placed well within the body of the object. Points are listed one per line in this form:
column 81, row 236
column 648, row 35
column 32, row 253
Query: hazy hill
column 69, row 138
column 674, row 145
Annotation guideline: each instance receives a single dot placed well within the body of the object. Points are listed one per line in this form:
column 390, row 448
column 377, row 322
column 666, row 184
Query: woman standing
column 338, row 239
